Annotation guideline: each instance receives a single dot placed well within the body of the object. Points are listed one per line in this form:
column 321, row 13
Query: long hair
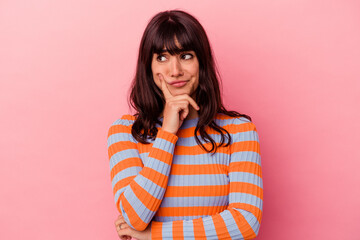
column 148, row 100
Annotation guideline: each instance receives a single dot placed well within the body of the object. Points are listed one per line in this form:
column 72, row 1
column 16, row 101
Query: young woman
column 183, row 166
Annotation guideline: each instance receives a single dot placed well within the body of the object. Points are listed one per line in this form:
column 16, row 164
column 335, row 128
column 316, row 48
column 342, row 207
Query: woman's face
column 181, row 67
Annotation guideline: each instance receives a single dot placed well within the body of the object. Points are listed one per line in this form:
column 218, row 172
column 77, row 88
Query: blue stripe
column 246, row 156
column 164, row 145
column 245, row 136
column 218, row 158
column 158, row 165
column 188, row 124
column 118, row 137
column 124, row 122
column 131, row 171
column 169, row 219
column 209, row 226
column 195, row 201
column 240, row 120
column 246, row 177
column 118, row 193
column 150, row 186
column 191, row 141
column 167, row 230
column 122, row 155
column 236, row 197
column 188, row 230
column 231, row 225
column 220, row 122
column 198, row 180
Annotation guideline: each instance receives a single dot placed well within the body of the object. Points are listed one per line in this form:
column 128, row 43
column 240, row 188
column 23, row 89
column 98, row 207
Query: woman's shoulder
column 239, row 123
column 231, row 119
column 126, row 120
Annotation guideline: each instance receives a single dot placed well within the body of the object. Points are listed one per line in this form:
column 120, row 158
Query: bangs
column 165, row 38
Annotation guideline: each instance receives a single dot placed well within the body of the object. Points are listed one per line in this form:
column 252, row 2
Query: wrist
column 150, row 230
column 168, row 131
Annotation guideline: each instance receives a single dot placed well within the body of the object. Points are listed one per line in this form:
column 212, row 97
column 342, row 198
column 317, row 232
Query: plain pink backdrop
column 65, row 70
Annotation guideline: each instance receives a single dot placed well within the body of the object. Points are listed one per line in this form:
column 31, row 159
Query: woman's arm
column 242, row 218
column 138, row 189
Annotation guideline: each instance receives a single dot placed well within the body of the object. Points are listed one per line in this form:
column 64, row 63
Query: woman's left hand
column 125, row 232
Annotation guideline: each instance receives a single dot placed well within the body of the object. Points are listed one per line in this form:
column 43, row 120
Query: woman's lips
column 178, row 83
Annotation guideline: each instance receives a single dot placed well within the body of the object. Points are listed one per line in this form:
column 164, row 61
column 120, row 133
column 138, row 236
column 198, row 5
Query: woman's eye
column 161, row 58
column 187, row 56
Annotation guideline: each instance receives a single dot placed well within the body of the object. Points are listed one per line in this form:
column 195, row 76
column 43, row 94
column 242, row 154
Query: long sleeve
column 242, row 218
column 138, row 188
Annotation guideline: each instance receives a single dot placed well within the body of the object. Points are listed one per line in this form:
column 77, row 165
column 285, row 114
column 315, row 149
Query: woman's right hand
column 176, row 108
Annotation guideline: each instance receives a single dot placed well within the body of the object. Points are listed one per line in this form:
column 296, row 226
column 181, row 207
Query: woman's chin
column 177, row 92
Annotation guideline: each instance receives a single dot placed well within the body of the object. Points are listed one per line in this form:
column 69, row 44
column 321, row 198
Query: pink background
column 65, row 69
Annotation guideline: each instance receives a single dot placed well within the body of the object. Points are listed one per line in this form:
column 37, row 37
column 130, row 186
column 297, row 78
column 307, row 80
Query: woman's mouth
column 178, row 83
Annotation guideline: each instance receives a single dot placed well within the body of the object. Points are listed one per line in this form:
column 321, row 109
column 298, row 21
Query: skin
column 179, row 105
column 126, row 232
column 183, row 66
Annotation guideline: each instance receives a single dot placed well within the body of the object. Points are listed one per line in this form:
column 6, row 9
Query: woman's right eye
column 161, row 58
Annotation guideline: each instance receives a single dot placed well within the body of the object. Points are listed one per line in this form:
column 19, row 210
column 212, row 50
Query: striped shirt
column 184, row 191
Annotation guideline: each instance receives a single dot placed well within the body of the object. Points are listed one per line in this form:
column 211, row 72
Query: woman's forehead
column 172, row 44
column 173, row 49
column 179, row 51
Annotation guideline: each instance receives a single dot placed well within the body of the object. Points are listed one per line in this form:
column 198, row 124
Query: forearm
column 139, row 190
column 229, row 224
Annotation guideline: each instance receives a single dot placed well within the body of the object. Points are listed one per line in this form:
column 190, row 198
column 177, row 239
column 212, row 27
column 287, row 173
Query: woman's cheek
column 157, row 81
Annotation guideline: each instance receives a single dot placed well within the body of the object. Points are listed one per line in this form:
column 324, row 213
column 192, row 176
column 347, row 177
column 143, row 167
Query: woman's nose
column 176, row 69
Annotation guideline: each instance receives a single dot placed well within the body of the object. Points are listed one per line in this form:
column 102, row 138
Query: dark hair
column 148, row 99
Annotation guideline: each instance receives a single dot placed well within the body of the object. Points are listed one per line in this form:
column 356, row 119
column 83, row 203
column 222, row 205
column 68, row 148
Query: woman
column 183, row 166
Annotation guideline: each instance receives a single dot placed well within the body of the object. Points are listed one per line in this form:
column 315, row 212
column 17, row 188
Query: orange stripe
column 199, row 229
column 134, row 218
column 189, row 211
column 143, row 148
column 248, row 207
column 170, row 137
column 244, row 127
column 244, row 227
column 196, row 150
column 245, row 187
column 120, row 146
column 231, row 128
column 249, row 167
column 156, row 177
column 197, row 191
column 156, row 230
column 118, row 202
column 251, row 146
column 122, row 183
column 220, row 227
column 161, row 155
column 119, row 129
column 128, row 117
column 178, row 230
column 146, row 198
column 126, row 163
column 196, row 169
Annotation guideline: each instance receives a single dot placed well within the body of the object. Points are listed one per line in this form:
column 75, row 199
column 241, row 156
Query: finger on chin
column 164, row 88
